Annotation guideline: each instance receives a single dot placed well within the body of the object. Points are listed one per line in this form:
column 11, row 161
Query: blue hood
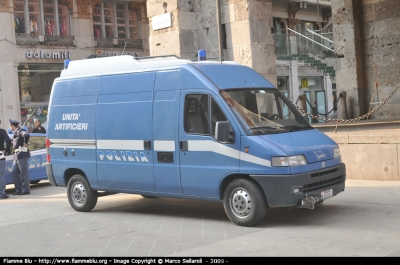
column 313, row 144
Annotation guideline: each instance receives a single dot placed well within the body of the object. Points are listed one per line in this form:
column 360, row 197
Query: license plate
column 327, row 194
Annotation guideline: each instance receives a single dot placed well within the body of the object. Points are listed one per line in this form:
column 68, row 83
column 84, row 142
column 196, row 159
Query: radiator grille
column 322, row 184
column 323, row 173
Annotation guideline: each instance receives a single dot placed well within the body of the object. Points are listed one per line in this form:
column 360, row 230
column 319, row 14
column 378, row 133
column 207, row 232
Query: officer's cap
column 14, row 122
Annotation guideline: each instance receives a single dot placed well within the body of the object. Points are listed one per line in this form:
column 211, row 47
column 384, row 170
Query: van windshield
column 264, row 111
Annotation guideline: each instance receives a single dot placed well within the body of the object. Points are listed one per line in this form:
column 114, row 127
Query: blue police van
column 37, row 161
column 168, row 127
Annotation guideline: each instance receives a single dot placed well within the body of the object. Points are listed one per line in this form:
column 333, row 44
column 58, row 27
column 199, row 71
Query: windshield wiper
column 297, row 127
column 268, row 129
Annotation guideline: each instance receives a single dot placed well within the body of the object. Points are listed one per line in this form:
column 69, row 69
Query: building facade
column 38, row 35
column 313, row 47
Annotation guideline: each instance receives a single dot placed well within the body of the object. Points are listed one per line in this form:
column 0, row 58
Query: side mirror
column 222, row 132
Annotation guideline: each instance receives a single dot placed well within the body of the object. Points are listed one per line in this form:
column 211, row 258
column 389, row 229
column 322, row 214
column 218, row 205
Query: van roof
column 125, row 64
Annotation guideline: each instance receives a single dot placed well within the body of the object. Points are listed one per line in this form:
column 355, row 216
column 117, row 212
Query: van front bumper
column 289, row 190
column 49, row 172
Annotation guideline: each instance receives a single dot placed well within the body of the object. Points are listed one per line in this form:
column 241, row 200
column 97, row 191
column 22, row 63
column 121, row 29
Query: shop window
column 115, row 20
column 35, row 83
column 42, row 17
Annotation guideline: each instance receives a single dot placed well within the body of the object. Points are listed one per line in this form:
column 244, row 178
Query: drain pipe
column 218, row 11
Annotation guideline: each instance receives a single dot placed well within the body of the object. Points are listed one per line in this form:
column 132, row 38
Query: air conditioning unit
column 115, row 41
column 41, row 38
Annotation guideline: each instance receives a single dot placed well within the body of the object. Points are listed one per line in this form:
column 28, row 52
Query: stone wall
column 370, row 156
column 367, row 35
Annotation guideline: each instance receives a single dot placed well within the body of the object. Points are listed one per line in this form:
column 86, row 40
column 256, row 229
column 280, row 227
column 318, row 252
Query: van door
column 165, row 122
column 123, row 131
column 203, row 161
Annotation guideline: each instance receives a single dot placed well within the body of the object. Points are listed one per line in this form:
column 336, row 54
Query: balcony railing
column 59, row 40
column 119, row 43
column 49, row 40
column 314, row 49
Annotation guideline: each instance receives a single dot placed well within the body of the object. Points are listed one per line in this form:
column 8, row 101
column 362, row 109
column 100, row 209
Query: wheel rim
column 78, row 194
column 241, row 203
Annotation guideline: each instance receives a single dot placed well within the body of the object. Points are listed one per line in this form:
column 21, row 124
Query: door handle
column 183, row 145
column 147, row 145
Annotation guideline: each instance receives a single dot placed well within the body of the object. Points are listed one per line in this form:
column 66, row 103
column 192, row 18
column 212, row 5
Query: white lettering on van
column 128, row 156
column 123, row 155
column 116, row 156
column 143, row 157
column 109, row 155
column 32, row 164
column 71, row 116
column 71, row 126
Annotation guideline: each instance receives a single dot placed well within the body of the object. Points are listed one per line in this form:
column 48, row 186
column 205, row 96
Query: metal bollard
column 342, row 106
column 303, row 103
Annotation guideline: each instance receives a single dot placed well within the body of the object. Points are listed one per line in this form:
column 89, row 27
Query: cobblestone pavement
column 362, row 221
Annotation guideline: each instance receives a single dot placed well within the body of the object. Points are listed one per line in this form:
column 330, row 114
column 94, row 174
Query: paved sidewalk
column 361, row 221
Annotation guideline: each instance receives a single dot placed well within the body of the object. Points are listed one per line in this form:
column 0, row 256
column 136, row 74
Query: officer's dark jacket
column 20, row 137
column 4, row 138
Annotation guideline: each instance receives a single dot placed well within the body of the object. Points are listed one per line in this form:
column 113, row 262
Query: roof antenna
column 124, row 48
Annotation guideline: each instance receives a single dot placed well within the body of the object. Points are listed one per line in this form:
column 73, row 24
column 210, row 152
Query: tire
column 80, row 196
column 35, row 181
column 239, row 193
column 148, row 197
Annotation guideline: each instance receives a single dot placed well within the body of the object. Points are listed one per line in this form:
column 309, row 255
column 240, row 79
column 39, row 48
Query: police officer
column 3, row 153
column 20, row 171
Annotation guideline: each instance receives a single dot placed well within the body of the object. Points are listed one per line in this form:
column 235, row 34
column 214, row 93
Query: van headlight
column 336, row 153
column 288, row 161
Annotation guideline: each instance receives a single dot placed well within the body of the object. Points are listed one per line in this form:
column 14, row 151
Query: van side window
column 216, row 115
column 196, row 121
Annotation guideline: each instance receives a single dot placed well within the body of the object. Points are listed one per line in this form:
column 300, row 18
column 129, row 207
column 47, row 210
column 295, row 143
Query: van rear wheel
column 80, row 196
column 244, row 202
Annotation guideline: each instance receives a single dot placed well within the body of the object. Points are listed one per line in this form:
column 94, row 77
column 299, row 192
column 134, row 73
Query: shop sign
column 47, row 55
column 99, row 52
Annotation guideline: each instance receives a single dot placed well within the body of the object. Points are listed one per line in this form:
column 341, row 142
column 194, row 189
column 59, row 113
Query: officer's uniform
column 3, row 152
column 20, row 171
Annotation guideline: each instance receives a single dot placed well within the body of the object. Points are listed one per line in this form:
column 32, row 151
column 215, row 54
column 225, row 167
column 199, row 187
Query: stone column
column 178, row 38
column 302, row 104
column 249, row 40
column 349, row 44
column 294, row 80
column 342, row 106
column 247, row 24
column 9, row 93
column 82, row 26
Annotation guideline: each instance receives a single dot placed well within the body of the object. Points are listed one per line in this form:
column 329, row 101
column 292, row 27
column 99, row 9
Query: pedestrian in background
column 4, row 151
column 20, row 171
column 38, row 127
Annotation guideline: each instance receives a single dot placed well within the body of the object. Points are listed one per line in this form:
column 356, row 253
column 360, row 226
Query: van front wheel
column 244, row 202
column 80, row 196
